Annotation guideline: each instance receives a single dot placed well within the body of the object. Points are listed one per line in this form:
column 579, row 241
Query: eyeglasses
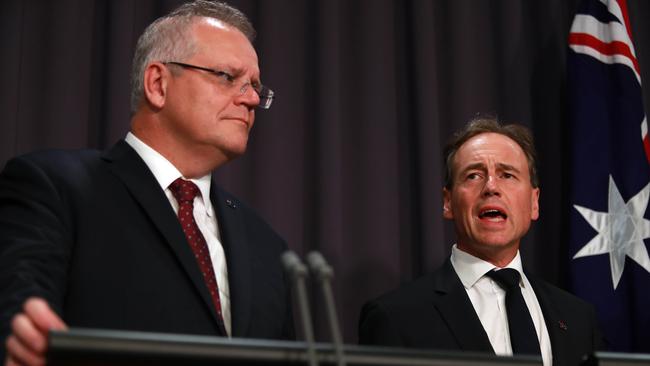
column 228, row 81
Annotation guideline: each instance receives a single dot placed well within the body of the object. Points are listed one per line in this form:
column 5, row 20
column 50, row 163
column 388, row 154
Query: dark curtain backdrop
column 348, row 160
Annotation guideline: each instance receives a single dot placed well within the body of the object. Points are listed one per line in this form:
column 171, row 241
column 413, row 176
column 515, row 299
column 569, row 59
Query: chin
column 497, row 244
column 234, row 151
column 231, row 146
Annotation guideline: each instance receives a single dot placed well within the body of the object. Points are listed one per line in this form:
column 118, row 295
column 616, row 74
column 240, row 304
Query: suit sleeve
column 376, row 327
column 34, row 240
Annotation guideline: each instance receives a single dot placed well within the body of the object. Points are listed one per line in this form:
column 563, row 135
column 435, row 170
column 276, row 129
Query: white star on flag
column 620, row 231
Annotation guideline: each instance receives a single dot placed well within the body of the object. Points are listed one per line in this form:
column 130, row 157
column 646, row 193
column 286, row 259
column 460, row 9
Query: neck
column 498, row 256
column 192, row 160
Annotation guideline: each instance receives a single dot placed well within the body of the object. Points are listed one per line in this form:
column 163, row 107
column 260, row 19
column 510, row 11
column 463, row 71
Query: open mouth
column 492, row 214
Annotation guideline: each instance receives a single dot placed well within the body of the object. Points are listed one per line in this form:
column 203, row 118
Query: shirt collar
column 164, row 171
column 470, row 269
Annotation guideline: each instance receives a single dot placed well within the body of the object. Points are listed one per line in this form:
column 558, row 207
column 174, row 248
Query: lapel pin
column 562, row 325
column 231, row 204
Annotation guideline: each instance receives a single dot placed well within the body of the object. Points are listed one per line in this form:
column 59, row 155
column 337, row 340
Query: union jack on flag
column 610, row 182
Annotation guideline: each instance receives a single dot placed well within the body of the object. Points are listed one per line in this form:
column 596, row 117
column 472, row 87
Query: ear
column 156, row 77
column 447, row 212
column 534, row 215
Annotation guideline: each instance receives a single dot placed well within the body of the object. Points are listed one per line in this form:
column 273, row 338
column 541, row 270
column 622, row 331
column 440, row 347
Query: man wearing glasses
column 140, row 237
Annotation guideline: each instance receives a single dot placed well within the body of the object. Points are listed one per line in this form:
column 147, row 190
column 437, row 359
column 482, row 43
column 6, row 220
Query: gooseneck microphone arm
column 324, row 274
column 298, row 272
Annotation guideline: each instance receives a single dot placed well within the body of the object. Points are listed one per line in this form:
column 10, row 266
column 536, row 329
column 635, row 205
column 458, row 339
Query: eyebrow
column 481, row 166
column 475, row 166
column 508, row 167
column 237, row 72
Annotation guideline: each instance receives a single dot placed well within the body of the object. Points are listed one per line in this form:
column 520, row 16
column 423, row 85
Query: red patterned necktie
column 184, row 191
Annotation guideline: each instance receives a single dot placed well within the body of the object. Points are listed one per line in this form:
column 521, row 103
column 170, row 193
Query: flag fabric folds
column 610, row 175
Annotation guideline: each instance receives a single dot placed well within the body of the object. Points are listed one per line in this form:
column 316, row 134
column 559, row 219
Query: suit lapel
column 458, row 312
column 127, row 165
column 236, row 246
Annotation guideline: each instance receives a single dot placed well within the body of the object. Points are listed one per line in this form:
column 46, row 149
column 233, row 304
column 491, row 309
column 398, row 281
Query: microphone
column 324, row 274
column 298, row 272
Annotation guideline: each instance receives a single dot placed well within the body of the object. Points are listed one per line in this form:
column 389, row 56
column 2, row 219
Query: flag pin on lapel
column 562, row 325
column 231, row 204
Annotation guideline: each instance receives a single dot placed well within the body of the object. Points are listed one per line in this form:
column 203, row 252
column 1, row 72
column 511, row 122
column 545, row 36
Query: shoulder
column 405, row 316
column 563, row 308
column 558, row 304
column 53, row 162
column 555, row 294
column 424, row 289
column 230, row 207
column 408, row 294
column 49, row 169
column 413, row 297
column 60, row 156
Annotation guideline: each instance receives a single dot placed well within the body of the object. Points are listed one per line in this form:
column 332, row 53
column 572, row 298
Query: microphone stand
column 324, row 274
column 298, row 272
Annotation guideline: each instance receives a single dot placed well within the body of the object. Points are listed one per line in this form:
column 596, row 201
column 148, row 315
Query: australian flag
column 610, row 183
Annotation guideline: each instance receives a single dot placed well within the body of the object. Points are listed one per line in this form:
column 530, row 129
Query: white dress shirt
column 165, row 173
column 489, row 301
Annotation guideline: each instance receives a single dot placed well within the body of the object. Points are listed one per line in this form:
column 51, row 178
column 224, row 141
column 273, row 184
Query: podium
column 110, row 347
column 617, row 359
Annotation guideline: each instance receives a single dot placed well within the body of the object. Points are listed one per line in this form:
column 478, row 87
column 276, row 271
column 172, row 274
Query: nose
column 491, row 187
column 248, row 96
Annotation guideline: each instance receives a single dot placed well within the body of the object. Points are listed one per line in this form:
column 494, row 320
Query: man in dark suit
column 491, row 194
column 92, row 239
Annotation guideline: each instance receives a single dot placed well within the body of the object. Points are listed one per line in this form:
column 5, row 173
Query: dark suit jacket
column 435, row 312
column 94, row 234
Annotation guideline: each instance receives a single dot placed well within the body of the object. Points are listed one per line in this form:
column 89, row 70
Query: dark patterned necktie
column 523, row 336
column 184, row 191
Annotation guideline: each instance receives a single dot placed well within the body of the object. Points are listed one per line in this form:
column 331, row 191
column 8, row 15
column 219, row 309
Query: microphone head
column 293, row 264
column 319, row 265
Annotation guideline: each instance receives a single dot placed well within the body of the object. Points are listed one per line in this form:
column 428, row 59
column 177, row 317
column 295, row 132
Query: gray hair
column 169, row 38
column 518, row 133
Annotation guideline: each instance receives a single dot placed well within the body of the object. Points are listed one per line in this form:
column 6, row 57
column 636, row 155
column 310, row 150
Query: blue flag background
column 608, row 156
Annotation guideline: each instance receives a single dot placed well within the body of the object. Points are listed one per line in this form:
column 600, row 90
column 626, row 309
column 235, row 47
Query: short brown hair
column 518, row 133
